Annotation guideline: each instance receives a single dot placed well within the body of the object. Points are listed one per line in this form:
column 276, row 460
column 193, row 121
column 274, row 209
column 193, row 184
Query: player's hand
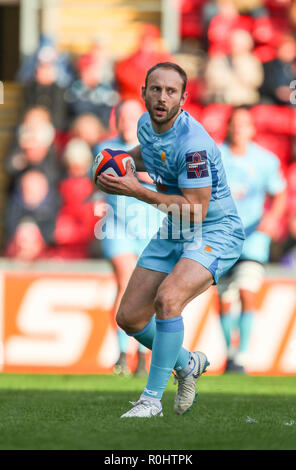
column 127, row 185
column 100, row 209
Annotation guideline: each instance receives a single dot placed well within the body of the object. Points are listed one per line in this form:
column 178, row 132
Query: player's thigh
column 249, row 275
column 187, row 280
column 137, row 303
column 249, row 279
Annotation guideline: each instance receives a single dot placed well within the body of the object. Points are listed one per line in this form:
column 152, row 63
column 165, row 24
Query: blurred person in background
column 279, row 73
column 93, row 92
column 220, row 18
column 75, row 223
column 27, row 244
column 289, row 246
column 43, row 89
column 32, row 118
column 292, row 14
column 89, row 128
column 34, row 147
column 36, row 199
column 46, row 50
column 235, row 78
column 124, row 251
column 36, row 115
column 130, row 72
column 252, row 174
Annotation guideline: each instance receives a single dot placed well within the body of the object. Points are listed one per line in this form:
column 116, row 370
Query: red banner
column 61, row 323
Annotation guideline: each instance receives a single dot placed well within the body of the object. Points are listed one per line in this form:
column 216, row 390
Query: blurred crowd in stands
column 245, row 55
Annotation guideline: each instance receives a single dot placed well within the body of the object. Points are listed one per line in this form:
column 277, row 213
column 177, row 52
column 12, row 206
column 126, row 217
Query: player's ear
column 143, row 92
column 184, row 98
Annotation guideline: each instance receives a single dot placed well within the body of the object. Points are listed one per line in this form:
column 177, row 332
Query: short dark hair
column 240, row 107
column 168, row 65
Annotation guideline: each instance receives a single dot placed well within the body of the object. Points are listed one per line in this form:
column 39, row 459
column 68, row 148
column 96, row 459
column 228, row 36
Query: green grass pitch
column 83, row 412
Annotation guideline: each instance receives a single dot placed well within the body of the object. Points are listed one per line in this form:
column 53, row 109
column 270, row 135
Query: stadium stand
column 130, row 39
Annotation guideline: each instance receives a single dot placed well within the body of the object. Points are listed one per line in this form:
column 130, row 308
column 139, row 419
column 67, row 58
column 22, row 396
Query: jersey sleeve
column 194, row 167
column 274, row 180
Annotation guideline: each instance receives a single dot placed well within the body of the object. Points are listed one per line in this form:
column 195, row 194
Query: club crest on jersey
column 196, row 163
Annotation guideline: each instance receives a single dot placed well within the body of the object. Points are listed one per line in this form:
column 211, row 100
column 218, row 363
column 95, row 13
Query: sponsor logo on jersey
column 197, row 164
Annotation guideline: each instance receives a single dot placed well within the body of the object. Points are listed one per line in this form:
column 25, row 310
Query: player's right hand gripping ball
column 112, row 163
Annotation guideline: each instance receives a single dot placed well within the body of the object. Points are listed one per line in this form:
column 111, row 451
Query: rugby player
column 253, row 173
column 178, row 264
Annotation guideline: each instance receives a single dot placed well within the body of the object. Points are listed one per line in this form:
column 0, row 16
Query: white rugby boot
column 186, row 394
column 144, row 409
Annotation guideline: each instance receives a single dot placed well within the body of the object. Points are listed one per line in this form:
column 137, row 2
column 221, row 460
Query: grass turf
column 83, row 412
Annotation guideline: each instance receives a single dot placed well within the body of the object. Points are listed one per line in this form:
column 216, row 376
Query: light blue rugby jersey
column 250, row 177
column 187, row 157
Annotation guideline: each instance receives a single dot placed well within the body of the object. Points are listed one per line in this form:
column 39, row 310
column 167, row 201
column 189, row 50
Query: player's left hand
column 127, row 185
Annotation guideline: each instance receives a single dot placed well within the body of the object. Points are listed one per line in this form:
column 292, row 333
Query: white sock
column 157, row 401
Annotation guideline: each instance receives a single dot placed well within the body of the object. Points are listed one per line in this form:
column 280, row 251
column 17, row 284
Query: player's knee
column 165, row 304
column 122, row 320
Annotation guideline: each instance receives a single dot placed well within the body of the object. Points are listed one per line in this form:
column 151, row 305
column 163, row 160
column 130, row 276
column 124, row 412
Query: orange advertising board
column 62, row 323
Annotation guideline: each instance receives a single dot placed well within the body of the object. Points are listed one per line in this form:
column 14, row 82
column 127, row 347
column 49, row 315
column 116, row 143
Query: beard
column 162, row 119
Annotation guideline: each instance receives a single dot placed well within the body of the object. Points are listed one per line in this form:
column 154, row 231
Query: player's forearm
column 279, row 205
column 137, row 156
column 169, row 203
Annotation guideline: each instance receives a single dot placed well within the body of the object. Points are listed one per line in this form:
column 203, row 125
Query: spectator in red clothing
column 130, row 72
column 75, row 222
column 221, row 18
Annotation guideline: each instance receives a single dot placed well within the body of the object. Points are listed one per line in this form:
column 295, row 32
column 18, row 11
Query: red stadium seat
column 278, row 119
column 265, row 53
column 279, row 15
column 291, row 186
column 279, row 144
column 195, row 90
column 263, row 32
column 194, row 109
column 191, row 18
column 220, row 29
column 214, row 118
